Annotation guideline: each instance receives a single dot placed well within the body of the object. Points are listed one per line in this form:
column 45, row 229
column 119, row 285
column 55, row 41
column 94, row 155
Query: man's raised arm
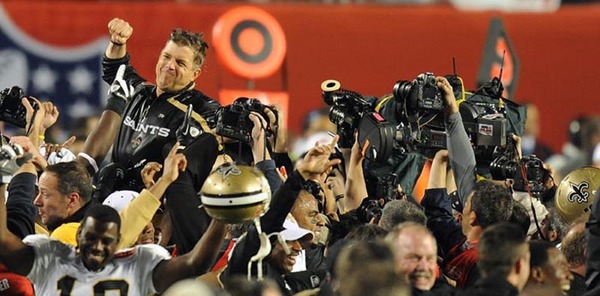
column 462, row 157
column 17, row 256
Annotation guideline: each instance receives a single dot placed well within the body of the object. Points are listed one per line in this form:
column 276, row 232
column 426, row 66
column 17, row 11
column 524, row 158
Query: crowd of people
column 156, row 202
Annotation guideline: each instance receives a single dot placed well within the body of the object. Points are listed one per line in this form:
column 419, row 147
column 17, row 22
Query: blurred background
column 53, row 50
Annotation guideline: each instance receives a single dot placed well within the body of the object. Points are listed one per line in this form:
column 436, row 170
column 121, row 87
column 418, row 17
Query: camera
column 420, row 94
column 418, row 106
column 347, row 109
column 534, row 175
column 233, row 121
column 369, row 210
column 379, row 138
column 381, row 188
column 387, row 187
column 485, row 124
column 11, row 108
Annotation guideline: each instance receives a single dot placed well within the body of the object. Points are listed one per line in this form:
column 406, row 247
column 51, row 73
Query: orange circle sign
column 249, row 42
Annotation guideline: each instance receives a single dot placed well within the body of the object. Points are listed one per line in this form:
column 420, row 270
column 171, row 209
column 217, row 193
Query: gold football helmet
column 235, row 193
column 576, row 193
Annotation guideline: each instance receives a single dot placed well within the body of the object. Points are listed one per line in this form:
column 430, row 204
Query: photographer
column 462, row 158
column 484, row 203
column 260, row 153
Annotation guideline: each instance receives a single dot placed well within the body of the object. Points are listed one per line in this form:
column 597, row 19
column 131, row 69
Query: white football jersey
column 58, row 270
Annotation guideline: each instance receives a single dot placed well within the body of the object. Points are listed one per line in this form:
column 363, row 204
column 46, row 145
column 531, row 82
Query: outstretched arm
column 462, row 157
column 195, row 263
column 141, row 210
column 437, row 173
column 103, row 136
column 17, row 256
column 356, row 188
column 312, row 165
column 204, row 253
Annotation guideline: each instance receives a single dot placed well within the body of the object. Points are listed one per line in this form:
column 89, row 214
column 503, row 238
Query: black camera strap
column 35, row 111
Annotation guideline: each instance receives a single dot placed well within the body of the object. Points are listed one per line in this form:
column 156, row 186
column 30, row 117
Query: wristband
column 115, row 104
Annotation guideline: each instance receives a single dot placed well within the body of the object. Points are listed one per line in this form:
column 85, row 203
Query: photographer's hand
column 317, row 160
column 517, row 140
column 446, row 88
column 550, row 180
column 259, row 151
column 328, row 196
column 438, row 171
column 280, row 133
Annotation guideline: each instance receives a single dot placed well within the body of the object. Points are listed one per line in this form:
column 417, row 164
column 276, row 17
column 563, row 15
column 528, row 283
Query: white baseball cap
column 294, row 232
column 120, row 199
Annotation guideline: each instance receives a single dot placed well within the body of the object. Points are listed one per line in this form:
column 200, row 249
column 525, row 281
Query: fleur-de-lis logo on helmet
column 228, row 169
column 580, row 193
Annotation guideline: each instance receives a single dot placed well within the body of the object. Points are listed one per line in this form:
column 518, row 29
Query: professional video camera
column 11, row 108
column 352, row 112
column 347, row 109
column 487, row 118
column 233, row 121
column 528, row 173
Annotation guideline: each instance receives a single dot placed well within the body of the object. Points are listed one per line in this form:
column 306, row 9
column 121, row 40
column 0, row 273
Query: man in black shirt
column 151, row 115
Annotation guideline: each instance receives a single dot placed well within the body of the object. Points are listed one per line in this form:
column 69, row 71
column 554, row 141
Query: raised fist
column 119, row 31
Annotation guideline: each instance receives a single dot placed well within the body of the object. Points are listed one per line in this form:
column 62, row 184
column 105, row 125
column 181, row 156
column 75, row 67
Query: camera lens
column 369, row 210
column 336, row 115
column 402, row 89
column 502, row 168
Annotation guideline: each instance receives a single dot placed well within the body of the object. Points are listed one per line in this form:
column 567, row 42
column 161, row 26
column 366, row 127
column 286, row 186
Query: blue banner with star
column 70, row 77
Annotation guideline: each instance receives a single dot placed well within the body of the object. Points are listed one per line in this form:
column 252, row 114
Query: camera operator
column 484, row 203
